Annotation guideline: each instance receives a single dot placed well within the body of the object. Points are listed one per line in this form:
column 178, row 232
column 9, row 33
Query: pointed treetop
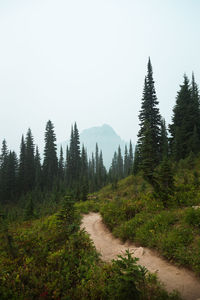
column 193, row 79
column 149, row 65
column 186, row 79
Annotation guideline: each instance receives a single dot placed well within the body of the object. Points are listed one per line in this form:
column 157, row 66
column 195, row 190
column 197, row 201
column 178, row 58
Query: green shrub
column 128, row 281
column 127, row 230
column 116, row 212
column 174, row 243
column 192, row 217
column 186, row 195
column 85, row 207
column 150, row 232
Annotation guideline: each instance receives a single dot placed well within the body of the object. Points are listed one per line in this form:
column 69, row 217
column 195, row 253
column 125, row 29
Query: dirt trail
column 171, row 276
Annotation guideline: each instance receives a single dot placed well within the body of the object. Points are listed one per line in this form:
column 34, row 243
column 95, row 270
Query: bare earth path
column 173, row 277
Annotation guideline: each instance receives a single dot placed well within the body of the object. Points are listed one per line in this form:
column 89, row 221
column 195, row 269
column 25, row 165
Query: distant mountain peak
column 107, row 139
column 103, row 130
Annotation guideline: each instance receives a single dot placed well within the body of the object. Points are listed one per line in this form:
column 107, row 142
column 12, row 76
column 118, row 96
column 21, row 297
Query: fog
column 85, row 61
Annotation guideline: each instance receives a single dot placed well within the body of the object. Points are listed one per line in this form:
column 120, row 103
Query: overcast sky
column 85, row 61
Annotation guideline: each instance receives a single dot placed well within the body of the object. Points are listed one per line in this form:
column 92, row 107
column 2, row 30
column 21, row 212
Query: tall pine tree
column 185, row 121
column 149, row 133
column 3, row 171
column 50, row 163
column 38, row 170
column 29, row 162
column 21, row 174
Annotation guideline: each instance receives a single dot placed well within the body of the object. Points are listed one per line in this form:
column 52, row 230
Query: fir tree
column 102, row 171
column 77, row 153
column 185, row 121
column 130, row 158
column 163, row 140
column 4, row 153
column 50, row 164
column 113, row 172
column 61, row 165
column 91, row 174
column 21, row 175
column 84, row 175
column 74, row 160
column 67, row 166
column 195, row 103
column 97, row 183
column 149, row 133
column 29, row 162
column 120, row 165
column 38, row 170
column 126, row 162
column 11, row 176
column 136, row 162
column 3, row 171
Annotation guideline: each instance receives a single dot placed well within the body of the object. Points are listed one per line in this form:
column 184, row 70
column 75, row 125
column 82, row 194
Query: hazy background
column 85, row 61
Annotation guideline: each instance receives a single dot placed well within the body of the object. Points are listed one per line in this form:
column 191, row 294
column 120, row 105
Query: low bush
column 85, row 207
column 127, row 230
column 174, row 245
column 51, row 258
column 192, row 217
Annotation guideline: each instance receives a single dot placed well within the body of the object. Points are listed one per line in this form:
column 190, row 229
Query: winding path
column 172, row 277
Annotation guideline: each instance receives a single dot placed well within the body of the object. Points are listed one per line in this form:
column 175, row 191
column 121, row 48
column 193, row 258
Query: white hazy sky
column 85, row 61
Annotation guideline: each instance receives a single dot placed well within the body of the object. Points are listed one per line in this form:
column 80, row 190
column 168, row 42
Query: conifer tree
column 195, row 103
column 67, row 166
column 11, row 176
column 8, row 174
column 136, row 162
column 116, row 168
column 74, row 160
column 113, row 172
column 70, row 160
column 91, row 174
column 4, row 153
column 61, row 165
column 50, row 163
column 130, row 158
column 97, row 183
column 84, row 179
column 96, row 171
column 38, row 170
column 29, row 162
column 185, row 121
column 3, row 171
column 102, row 171
column 77, row 152
column 120, row 165
column 126, row 162
column 149, row 133
column 163, row 140
column 21, row 175
column 195, row 138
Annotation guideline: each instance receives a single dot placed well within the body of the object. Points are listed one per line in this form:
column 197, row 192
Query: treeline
column 72, row 172
column 159, row 147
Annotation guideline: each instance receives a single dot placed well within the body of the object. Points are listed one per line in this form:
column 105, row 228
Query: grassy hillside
column 51, row 258
column 132, row 211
